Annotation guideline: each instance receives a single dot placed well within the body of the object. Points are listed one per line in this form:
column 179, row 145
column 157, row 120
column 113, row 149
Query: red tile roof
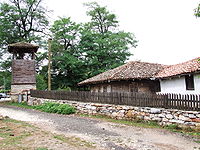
column 143, row 70
column 131, row 70
column 178, row 69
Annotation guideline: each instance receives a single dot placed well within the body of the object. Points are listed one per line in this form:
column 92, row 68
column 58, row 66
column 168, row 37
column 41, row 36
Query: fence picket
column 175, row 101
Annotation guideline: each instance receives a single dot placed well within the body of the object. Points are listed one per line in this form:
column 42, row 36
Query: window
column 156, row 87
column 133, row 87
column 104, row 88
column 189, row 81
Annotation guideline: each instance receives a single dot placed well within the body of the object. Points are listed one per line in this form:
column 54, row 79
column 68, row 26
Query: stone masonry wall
column 161, row 115
column 18, row 89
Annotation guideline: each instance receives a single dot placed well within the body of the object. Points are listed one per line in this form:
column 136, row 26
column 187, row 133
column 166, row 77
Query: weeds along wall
column 161, row 115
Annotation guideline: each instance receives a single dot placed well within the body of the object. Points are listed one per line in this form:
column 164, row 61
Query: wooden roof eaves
column 114, row 80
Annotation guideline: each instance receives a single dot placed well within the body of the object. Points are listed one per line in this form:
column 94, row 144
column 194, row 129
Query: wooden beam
column 49, row 64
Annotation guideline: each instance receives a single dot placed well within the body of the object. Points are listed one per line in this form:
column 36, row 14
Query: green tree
column 5, row 80
column 41, row 82
column 67, row 64
column 197, row 11
column 84, row 50
column 104, row 46
column 22, row 20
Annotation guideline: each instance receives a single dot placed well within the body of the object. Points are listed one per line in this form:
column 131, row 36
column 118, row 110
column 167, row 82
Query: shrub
column 51, row 107
column 173, row 127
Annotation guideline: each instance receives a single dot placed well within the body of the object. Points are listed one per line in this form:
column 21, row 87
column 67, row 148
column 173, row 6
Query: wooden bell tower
column 23, row 68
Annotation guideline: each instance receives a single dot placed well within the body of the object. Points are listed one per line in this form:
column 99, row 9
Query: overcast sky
column 167, row 30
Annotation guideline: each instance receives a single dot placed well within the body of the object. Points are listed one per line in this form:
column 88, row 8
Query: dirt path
column 105, row 135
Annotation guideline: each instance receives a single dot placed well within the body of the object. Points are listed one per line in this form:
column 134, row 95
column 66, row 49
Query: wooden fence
column 169, row 101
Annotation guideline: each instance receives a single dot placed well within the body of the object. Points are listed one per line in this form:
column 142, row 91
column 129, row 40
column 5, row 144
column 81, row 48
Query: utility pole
column 49, row 64
column 4, row 83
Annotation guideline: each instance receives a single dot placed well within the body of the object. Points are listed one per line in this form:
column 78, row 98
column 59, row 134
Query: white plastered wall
column 177, row 85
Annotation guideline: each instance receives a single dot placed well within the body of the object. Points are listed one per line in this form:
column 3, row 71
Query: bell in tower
column 23, row 68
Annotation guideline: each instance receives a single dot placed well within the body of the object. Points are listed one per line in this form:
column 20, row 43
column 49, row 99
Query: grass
column 22, row 105
column 75, row 141
column 42, row 148
column 151, row 124
column 184, row 130
column 137, row 122
column 49, row 107
column 12, row 133
column 20, row 135
column 11, row 139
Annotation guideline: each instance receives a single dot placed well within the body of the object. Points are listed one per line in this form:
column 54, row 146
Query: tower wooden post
column 23, row 68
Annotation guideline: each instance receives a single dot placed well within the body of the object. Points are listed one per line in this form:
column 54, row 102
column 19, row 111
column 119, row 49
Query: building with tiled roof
column 181, row 78
column 129, row 71
column 191, row 66
column 136, row 76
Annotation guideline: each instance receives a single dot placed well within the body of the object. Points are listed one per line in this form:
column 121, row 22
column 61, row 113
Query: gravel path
column 105, row 135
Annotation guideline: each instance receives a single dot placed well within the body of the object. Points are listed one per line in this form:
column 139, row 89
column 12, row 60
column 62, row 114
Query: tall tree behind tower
column 22, row 20
column 104, row 45
column 67, row 65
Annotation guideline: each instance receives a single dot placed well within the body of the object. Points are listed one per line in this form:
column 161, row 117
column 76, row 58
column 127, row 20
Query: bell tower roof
column 22, row 47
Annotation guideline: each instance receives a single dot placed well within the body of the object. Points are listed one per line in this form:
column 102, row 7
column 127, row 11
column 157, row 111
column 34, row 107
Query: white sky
column 167, row 30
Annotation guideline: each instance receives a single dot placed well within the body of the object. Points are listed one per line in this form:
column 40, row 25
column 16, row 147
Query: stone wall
column 161, row 115
column 18, row 89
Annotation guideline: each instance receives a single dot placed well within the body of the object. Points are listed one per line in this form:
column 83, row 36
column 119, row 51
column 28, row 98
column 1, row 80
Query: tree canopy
column 197, row 11
column 104, row 45
column 83, row 50
column 22, row 20
column 67, row 66
column 80, row 50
